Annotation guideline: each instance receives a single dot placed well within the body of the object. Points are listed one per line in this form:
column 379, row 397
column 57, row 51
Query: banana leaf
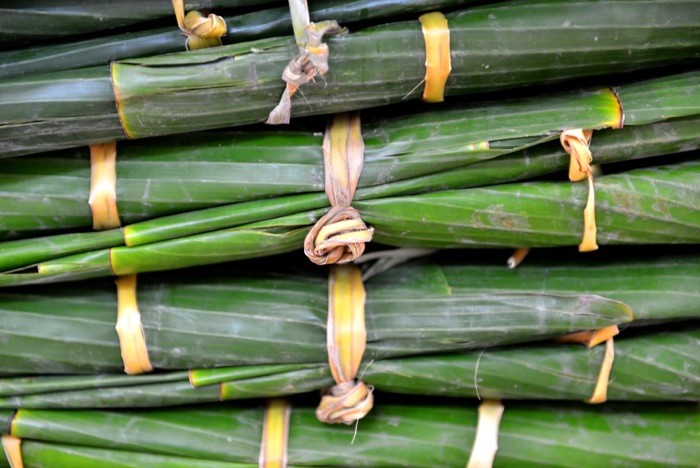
column 248, row 26
column 65, row 195
column 38, row 454
column 656, row 205
column 62, row 198
column 396, row 434
column 655, row 365
column 164, row 176
column 643, row 206
column 492, row 49
column 255, row 318
column 35, row 20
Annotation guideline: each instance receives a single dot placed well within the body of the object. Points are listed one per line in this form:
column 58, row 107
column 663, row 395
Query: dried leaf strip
column 340, row 235
column 350, row 399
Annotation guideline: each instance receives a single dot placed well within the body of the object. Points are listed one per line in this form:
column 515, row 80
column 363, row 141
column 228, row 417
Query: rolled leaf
column 655, row 205
column 396, row 435
column 184, row 331
column 42, row 454
column 194, row 91
column 22, row 21
column 649, row 366
column 241, row 27
column 250, row 319
column 164, row 176
column 61, row 197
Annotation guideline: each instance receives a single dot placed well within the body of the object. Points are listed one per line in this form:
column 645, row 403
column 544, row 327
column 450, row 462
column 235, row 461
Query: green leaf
column 656, row 205
column 654, row 365
column 22, row 21
column 241, row 27
column 392, row 435
column 492, row 49
column 249, row 319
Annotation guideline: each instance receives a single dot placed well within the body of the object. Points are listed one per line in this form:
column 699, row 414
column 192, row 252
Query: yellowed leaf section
column 201, row 31
column 103, row 186
column 132, row 339
column 591, row 338
column 273, row 447
column 486, row 441
column 600, row 391
column 438, row 63
column 576, row 142
column 12, row 447
column 346, row 337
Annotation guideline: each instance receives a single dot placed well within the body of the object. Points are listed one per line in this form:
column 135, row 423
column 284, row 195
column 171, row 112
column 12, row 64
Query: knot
column 345, row 403
column 576, row 142
column 201, row 31
column 311, row 60
column 313, row 56
column 315, row 49
column 297, row 71
column 338, row 237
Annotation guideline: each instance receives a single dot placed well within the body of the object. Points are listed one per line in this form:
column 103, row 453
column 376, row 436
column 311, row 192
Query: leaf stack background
column 213, row 223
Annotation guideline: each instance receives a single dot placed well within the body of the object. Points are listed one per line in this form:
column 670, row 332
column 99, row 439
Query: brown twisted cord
column 312, row 60
column 340, row 235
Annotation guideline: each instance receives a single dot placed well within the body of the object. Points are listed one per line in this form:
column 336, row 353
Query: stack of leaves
column 643, row 206
column 452, row 146
column 473, row 146
column 438, row 434
column 652, row 366
column 273, row 20
column 274, row 345
column 492, row 48
column 611, row 82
